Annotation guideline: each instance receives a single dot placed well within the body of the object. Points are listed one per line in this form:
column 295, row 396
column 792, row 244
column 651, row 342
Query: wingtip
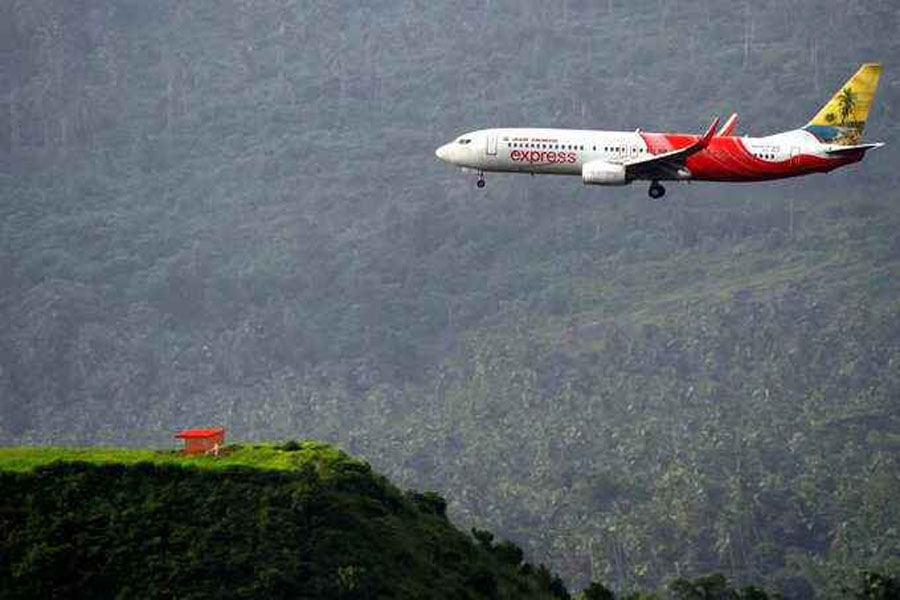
column 729, row 126
column 711, row 130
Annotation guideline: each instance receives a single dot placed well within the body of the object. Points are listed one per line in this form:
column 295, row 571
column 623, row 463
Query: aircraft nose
column 443, row 153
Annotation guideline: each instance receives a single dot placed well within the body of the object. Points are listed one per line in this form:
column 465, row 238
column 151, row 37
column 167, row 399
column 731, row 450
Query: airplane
column 832, row 139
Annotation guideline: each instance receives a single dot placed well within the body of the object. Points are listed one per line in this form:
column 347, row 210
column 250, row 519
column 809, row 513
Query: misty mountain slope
column 743, row 399
column 231, row 213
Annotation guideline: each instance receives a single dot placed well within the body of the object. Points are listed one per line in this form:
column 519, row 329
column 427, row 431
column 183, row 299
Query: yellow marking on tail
column 848, row 109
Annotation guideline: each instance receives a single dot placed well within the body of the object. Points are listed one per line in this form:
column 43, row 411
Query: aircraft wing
column 667, row 165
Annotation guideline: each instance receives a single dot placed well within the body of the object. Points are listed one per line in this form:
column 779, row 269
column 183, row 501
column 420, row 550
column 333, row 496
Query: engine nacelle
column 600, row 172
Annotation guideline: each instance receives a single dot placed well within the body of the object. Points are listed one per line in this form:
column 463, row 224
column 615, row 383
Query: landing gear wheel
column 656, row 190
column 480, row 182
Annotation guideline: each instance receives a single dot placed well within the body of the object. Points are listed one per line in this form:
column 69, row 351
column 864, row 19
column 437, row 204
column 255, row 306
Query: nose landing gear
column 656, row 190
column 480, row 182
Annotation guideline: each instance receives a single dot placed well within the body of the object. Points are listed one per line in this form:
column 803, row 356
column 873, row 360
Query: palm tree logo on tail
column 847, row 101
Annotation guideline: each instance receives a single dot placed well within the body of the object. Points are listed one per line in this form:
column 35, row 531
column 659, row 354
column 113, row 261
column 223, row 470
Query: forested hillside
column 230, row 213
column 323, row 525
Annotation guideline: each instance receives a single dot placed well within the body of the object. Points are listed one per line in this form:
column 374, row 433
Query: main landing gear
column 656, row 190
column 480, row 182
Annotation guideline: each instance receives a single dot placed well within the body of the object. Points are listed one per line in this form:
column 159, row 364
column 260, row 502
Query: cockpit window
column 465, row 141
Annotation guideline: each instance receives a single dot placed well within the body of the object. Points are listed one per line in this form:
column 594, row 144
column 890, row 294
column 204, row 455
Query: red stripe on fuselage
column 727, row 159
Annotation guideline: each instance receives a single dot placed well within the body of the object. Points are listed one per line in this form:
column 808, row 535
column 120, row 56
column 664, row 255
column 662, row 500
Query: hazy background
column 230, row 213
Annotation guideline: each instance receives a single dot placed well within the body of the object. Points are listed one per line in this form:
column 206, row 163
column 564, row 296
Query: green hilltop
column 268, row 457
column 301, row 520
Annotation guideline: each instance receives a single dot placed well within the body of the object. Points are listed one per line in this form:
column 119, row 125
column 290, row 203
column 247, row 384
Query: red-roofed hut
column 202, row 441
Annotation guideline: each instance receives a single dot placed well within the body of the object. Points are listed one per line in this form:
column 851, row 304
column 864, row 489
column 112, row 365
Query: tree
column 598, row 591
column 876, row 586
column 708, row 587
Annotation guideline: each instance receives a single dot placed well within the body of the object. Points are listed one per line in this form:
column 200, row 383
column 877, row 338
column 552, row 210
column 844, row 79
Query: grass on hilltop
column 287, row 457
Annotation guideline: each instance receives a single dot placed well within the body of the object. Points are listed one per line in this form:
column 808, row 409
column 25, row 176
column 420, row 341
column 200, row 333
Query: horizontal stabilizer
column 848, row 149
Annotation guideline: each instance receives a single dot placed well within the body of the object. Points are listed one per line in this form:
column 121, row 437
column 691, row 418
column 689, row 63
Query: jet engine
column 600, row 172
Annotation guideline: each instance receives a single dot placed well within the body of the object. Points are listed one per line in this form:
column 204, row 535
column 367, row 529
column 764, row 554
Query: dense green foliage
column 300, row 520
column 228, row 212
column 329, row 528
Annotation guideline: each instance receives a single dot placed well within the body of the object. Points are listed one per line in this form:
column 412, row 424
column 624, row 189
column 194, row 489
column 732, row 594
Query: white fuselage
column 566, row 151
